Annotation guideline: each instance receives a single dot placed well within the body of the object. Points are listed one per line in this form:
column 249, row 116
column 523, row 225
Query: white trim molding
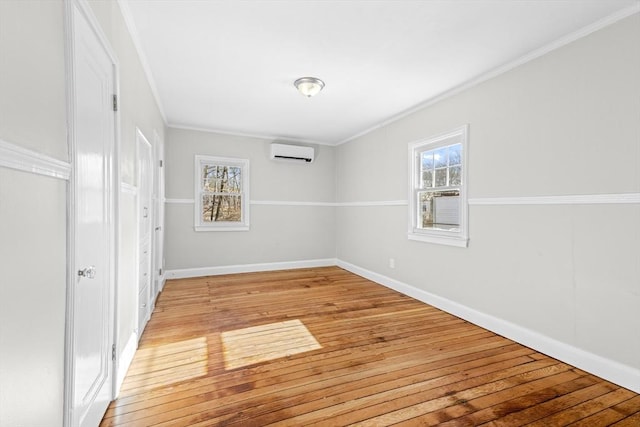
column 289, row 203
column 297, row 203
column 581, row 199
column 613, row 371
column 124, row 361
column 186, row 273
column 373, row 203
column 15, row 157
column 180, row 201
column 231, row 133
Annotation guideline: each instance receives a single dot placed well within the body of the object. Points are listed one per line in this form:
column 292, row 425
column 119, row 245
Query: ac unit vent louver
column 296, row 153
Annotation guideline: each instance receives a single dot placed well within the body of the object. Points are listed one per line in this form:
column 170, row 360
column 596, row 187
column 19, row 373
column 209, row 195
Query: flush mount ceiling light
column 309, row 86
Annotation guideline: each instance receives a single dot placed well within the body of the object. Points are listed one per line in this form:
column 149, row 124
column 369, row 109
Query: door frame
column 70, row 6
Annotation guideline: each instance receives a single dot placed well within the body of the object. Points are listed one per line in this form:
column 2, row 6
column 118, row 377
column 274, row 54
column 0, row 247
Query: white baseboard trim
column 124, row 361
column 247, row 268
column 618, row 373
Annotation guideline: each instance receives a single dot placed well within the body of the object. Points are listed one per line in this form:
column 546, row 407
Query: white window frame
column 460, row 237
column 199, row 224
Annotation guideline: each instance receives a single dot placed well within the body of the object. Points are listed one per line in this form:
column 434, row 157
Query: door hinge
column 160, row 272
column 115, row 102
column 113, row 352
column 160, row 163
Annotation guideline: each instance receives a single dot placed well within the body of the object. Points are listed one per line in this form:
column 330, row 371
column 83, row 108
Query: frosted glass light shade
column 309, row 86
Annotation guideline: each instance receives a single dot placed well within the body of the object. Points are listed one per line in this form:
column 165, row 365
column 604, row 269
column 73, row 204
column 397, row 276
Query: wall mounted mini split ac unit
column 297, row 153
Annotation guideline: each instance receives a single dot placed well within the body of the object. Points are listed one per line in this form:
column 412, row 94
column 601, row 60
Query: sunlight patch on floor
column 243, row 347
column 186, row 359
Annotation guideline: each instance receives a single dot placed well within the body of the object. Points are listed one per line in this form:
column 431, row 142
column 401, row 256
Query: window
column 438, row 194
column 221, row 194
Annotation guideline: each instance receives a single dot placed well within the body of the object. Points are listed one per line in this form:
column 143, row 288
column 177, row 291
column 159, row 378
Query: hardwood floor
column 385, row 359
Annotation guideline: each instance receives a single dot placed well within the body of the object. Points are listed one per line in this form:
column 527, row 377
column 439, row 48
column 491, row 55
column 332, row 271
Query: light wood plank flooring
column 384, row 359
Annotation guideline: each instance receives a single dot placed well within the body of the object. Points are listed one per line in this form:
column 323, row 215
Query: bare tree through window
column 221, row 189
column 222, row 198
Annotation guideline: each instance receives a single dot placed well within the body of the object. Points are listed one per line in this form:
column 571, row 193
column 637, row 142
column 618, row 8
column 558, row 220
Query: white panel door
column 92, row 310
column 158, row 215
column 145, row 223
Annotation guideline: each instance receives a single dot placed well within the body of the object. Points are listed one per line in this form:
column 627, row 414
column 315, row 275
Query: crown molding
column 246, row 135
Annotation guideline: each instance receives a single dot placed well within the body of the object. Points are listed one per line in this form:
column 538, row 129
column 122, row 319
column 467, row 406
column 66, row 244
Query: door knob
column 89, row 272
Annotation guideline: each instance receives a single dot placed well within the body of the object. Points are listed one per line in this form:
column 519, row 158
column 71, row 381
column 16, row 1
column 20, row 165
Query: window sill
column 460, row 242
column 221, row 228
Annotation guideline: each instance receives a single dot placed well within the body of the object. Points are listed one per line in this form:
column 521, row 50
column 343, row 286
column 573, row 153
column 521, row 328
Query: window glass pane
column 208, row 208
column 439, row 210
column 427, row 179
column 455, row 175
column 221, row 208
column 454, row 154
column 446, row 209
column 440, row 157
column 441, row 177
column 211, row 177
column 222, row 179
column 427, row 160
column 234, row 180
column 425, row 206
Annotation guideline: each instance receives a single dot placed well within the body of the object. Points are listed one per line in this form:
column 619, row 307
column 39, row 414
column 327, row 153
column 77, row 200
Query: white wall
column 32, row 215
column 32, row 70
column 278, row 233
column 32, row 298
column 566, row 123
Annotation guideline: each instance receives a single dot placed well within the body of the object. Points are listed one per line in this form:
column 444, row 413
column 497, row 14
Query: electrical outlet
column 392, row 263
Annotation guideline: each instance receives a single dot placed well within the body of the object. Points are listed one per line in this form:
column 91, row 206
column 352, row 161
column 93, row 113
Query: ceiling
column 229, row 66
